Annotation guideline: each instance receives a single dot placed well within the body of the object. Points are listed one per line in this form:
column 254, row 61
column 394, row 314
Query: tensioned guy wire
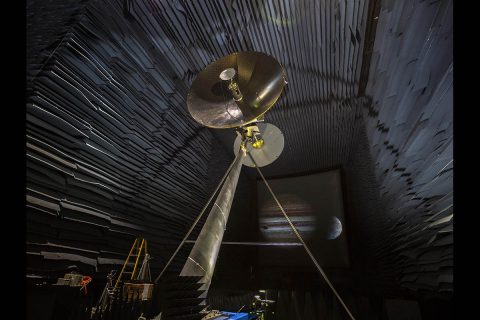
column 199, row 216
column 301, row 240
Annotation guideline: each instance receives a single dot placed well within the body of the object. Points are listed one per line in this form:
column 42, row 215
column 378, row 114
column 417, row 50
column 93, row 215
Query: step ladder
column 139, row 246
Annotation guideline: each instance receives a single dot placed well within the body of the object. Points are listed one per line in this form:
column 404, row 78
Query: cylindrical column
column 202, row 258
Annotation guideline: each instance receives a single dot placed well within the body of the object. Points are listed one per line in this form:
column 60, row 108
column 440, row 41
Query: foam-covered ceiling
column 112, row 152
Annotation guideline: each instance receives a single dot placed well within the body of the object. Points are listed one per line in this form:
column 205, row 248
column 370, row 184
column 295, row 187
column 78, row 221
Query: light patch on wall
column 274, row 226
column 314, row 203
column 335, row 228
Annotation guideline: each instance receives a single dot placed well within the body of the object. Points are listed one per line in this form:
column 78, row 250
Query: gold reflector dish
column 224, row 98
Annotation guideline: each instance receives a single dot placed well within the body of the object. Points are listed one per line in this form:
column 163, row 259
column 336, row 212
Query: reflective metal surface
column 202, row 258
column 271, row 149
column 260, row 79
column 220, row 184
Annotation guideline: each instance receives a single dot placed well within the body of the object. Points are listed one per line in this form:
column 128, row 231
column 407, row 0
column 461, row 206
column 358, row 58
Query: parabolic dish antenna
column 236, row 90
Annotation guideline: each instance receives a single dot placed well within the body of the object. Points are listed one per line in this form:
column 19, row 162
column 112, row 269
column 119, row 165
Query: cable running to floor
column 301, row 240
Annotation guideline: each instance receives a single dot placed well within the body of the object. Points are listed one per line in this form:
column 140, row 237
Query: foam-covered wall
column 111, row 151
column 410, row 133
